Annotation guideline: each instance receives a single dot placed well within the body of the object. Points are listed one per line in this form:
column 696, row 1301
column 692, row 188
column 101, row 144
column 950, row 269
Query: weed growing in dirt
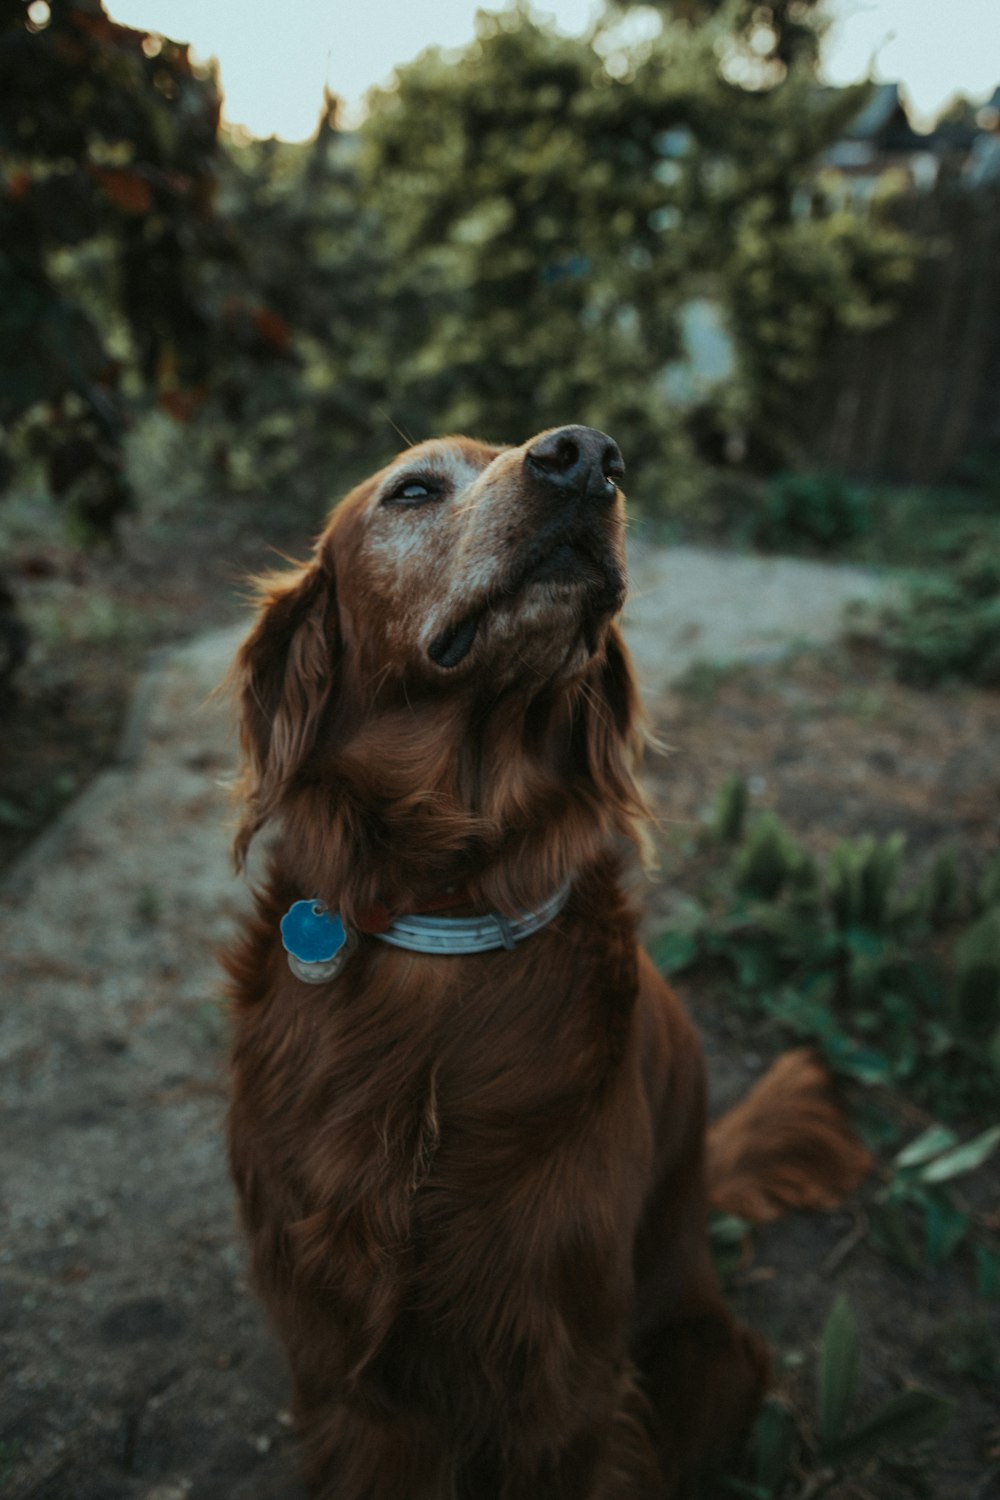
column 948, row 624
column 148, row 906
column 9, row 1455
column 703, row 679
column 945, row 622
column 919, row 1219
column 972, row 1351
column 898, row 983
column 794, row 1455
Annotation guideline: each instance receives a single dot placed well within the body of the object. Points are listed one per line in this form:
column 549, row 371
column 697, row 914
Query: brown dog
column 474, row 1181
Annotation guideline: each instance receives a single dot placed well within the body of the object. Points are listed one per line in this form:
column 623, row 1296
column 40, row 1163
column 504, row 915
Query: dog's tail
column 786, row 1145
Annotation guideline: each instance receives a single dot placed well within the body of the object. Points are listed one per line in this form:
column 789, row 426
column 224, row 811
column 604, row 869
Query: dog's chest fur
column 432, row 1127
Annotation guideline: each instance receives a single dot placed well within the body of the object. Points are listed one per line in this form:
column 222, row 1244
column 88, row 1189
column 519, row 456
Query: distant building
column 982, row 168
column 881, row 139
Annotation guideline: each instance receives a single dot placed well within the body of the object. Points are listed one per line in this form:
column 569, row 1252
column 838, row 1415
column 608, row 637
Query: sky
column 276, row 55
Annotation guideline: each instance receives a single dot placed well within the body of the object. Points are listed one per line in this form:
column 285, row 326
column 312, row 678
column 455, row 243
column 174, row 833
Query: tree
column 516, row 195
column 302, row 423
column 563, row 201
column 132, row 264
column 784, row 32
column 108, row 146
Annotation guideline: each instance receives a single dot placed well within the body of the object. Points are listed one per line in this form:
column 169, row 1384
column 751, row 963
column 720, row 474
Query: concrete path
column 136, row 1363
column 691, row 604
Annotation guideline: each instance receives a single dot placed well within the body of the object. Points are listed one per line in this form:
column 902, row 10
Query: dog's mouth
column 601, row 578
column 455, row 641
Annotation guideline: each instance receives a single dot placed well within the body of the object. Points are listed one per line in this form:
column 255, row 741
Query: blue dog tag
column 312, row 934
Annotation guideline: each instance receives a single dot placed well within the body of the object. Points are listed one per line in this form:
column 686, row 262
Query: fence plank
column 911, row 400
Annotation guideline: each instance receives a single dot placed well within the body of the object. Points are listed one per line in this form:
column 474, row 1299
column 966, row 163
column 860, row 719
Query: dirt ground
column 137, row 1364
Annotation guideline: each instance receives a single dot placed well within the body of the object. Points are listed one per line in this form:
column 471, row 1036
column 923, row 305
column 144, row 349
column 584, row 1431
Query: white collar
column 425, row 934
column 318, row 945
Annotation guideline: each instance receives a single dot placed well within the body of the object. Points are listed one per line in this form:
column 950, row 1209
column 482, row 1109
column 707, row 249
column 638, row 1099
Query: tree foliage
column 302, row 423
column 512, row 189
column 122, row 273
column 107, row 148
column 516, row 239
column 561, row 202
column 777, row 33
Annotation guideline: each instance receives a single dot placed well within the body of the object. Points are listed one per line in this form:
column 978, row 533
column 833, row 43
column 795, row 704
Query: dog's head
column 451, row 647
column 461, row 562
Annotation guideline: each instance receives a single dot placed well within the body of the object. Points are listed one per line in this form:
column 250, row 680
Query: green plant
column 571, row 201
column 919, row 1188
column 703, row 679
column 972, row 1350
column 729, row 815
column 948, row 624
column 108, row 146
column 823, row 511
column 989, row 890
column 975, row 996
column 769, row 861
column 940, row 894
column 10, row 1453
column 897, row 981
column 835, row 1442
column 148, row 906
column 728, row 1237
column 914, row 1416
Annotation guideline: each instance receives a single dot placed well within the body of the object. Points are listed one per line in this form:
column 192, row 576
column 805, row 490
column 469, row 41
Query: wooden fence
column 911, row 401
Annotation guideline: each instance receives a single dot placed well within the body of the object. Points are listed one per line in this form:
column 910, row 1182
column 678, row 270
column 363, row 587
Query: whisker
column 409, row 441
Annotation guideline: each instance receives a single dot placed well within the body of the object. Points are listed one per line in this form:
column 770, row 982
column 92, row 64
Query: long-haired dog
column 468, row 1118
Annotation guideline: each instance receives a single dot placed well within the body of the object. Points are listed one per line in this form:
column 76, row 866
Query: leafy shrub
column 812, row 510
column 898, row 984
column 729, row 816
column 948, row 625
column 559, row 212
column 563, row 212
column 108, row 154
column 880, row 974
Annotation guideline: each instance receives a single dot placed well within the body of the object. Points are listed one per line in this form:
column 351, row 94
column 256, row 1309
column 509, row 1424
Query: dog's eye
column 414, row 492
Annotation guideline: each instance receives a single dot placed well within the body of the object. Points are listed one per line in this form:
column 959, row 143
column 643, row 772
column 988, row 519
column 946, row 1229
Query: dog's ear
column 284, row 674
column 619, row 691
column 617, row 734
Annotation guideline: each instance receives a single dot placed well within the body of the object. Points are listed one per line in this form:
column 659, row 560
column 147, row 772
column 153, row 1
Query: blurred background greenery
column 781, row 299
column 666, row 240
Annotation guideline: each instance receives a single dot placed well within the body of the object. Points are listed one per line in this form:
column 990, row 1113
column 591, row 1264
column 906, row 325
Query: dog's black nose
column 576, row 460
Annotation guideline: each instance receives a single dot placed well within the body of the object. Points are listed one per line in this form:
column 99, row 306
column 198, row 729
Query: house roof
column 882, row 108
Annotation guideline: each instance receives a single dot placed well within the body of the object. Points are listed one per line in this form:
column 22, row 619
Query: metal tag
column 316, row 941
